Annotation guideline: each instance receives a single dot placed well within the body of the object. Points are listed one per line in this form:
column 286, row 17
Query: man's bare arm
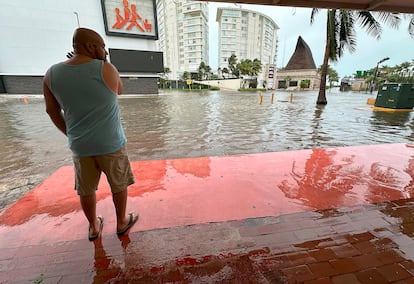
column 111, row 77
column 53, row 108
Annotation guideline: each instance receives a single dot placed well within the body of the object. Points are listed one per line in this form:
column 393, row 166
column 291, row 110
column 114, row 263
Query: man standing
column 81, row 100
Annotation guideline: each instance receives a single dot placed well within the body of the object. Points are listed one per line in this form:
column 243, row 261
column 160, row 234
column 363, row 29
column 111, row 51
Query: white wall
column 228, row 84
column 37, row 34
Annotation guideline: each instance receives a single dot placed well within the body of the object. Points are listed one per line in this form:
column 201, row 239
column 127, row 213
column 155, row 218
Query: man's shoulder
column 107, row 63
column 110, row 67
column 50, row 69
column 56, row 65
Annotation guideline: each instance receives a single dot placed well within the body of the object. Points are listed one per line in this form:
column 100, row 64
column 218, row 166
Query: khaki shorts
column 116, row 167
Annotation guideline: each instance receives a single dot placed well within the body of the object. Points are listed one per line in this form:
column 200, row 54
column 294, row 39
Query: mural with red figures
column 133, row 18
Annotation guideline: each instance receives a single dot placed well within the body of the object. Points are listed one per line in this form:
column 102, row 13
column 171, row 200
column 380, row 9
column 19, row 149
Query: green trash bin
column 396, row 96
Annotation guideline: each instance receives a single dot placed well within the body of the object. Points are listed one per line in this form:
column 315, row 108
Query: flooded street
column 178, row 124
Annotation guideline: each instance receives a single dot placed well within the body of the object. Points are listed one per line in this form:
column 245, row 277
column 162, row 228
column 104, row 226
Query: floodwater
column 178, row 124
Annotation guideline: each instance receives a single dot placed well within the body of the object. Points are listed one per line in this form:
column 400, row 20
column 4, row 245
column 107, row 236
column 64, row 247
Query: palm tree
column 340, row 34
column 245, row 67
column 332, row 75
column 208, row 72
column 186, row 75
column 167, row 71
column 232, row 63
column 256, row 67
column 225, row 71
column 201, row 71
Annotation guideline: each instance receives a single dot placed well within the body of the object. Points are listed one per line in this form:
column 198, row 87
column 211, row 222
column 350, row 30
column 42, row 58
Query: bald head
column 88, row 42
column 84, row 35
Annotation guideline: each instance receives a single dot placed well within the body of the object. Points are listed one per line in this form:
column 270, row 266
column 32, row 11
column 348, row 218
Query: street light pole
column 77, row 18
column 376, row 73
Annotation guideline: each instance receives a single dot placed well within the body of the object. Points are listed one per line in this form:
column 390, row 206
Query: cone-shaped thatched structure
column 302, row 57
column 300, row 73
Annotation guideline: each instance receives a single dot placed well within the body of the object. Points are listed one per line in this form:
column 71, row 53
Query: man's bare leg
column 88, row 204
column 124, row 221
column 120, row 202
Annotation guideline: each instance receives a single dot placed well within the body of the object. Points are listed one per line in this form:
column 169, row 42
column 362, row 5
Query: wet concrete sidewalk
column 342, row 215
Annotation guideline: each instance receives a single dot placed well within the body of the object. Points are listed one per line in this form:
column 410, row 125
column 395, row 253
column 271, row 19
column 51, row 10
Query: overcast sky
column 295, row 22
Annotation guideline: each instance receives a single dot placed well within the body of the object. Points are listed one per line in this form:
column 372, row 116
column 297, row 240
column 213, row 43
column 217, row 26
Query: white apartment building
column 246, row 34
column 183, row 35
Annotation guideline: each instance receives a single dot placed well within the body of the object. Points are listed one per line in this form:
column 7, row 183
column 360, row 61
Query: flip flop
column 133, row 218
column 94, row 237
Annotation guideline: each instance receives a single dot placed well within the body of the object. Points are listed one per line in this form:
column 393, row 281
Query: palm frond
column 313, row 14
column 331, row 33
column 346, row 32
column 411, row 26
column 371, row 25
column 393, row 20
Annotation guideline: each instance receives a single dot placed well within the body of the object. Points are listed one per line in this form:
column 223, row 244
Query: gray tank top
column 91, row 111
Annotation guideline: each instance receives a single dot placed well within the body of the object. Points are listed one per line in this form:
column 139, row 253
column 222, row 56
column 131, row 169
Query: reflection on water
column 322, row 183
column 180, row 124
column 316, row 125
column 389, row 123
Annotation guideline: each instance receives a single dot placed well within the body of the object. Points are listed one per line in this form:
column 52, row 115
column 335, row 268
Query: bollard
column 260, row 98
column 273, row 97
column 291, row 97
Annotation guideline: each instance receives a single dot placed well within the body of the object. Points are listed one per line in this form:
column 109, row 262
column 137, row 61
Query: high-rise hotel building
column 183, row 35
column 246, row 34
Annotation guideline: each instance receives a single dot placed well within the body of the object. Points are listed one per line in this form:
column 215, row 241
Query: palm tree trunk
column 324, row 70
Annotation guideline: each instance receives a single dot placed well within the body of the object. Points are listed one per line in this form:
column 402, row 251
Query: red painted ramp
column 171, row 193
